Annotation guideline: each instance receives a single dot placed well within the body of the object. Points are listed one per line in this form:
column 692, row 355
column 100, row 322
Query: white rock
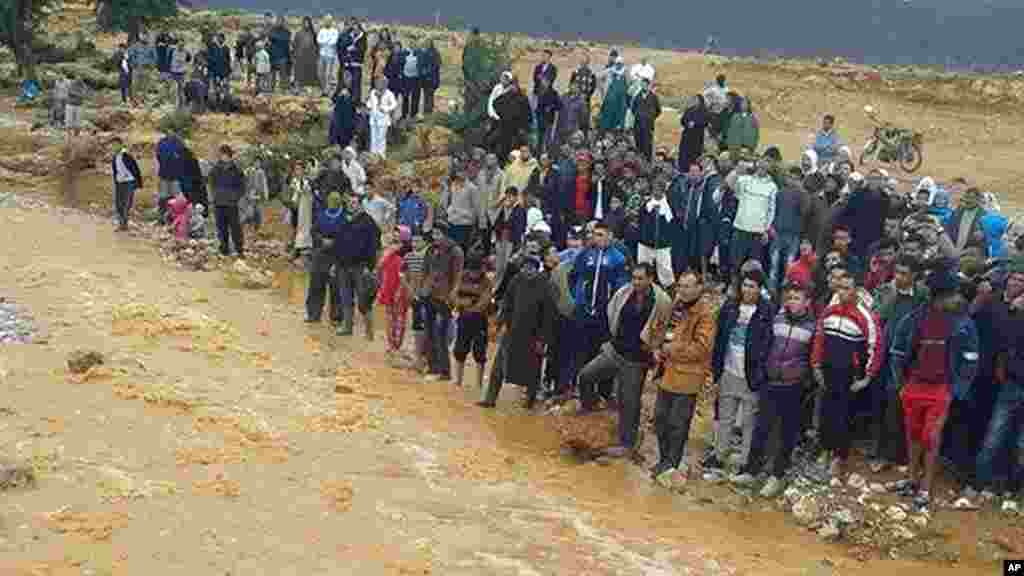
column 807, row 510
column 856, row 481
column 877, row 488
column 829, row 530
column 895, row 513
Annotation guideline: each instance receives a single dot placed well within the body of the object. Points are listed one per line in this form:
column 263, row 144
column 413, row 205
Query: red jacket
column 848, row 337
column 802, row 270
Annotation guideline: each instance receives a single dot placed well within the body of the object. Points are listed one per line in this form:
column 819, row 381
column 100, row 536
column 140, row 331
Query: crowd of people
column 813, row 303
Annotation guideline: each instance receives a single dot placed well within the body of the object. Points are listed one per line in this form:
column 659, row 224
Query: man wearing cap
column 934, row 357
column 442, row 267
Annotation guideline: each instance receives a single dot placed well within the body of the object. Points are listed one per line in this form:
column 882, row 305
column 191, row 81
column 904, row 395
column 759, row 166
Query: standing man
column 597, row 273
column 755, row 212
column 934, row 359
column 742, row 342
column 638, row 316
column 327, row 39
column 585, row 81
column 356, row 246
column 170, row 159
column 545, row 70
column 228, row 184
column 127, row 179
column 646, row 110
column 687, row 356
column 442, row 268
column 280, row 55
column 826, row 141
column 352, row 50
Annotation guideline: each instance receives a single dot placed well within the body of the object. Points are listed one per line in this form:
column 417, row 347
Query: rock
column 114, row 120
column 792, row 494
column 80, row 361
column 920, row 521
column 895, row 513
column 877, row 488
column 835, row 483
column 14, row 476
column 901, row 532
column 856, row 481
column 843, row 516
column 829, row 531
column 807, row 510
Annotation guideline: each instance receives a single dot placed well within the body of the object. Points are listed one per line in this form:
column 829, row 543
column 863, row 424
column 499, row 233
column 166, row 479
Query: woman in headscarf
column 694, row 122
column 513, row 110
column 305, row 54
column 744, row 130
column 613, row 108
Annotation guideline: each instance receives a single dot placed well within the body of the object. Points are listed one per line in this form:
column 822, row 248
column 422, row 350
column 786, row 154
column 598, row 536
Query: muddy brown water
column 214, row 442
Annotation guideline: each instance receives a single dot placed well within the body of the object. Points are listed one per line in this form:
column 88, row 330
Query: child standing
column 262, row 62
column 412, row 278
column 394, row 292
column 181, row 216
column 198, row 225
column 472, row 299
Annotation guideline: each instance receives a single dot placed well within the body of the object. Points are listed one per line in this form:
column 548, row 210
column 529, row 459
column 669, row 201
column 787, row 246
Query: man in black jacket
column 280, row 38
column 228, row 184
column 357, row 244
column 351, row 54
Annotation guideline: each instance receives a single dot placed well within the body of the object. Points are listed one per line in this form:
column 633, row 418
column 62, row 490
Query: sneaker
column 772, row 487
column 714, row 475
column 660, row 468
column 485, row 404
column 664, row 478
column 432, row 378
column 1010, row 506
column 742, row 479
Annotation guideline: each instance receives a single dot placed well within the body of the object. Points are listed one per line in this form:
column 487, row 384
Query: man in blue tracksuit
column 597, row 273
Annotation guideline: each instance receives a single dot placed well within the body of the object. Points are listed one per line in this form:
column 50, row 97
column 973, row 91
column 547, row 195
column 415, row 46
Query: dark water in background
column 961, row 34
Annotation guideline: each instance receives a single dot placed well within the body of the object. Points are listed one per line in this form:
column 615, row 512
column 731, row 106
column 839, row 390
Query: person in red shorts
column 934, row 356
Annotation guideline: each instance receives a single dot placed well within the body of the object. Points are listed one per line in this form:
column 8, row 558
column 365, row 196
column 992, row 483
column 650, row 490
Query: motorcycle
column 895, row 145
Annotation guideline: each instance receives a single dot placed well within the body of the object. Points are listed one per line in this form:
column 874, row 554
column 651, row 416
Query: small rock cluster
column 16, row 325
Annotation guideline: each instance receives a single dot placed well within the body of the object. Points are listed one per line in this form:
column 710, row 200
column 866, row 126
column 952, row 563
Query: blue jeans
column 784, row 249
column 1004, row 429
column 439, row 316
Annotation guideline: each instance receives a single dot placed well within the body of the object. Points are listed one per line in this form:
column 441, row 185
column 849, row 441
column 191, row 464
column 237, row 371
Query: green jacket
column 743, row 132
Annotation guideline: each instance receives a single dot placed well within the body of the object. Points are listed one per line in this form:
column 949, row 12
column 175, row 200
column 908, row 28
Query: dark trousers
column 630, row 378
column 319, row 281
column 836, row 433
column 229, row 227
column 643, row 135
column 565, row 359
column 427, row 86
column 744, row 246
column 124, row 197
column 411, row 101
column 588, row 335
column 471, row 336
column 356, row 71
column 439, row 317
column 461, row 234
column 125, row 82
column 672, row 416
column 779, row 406
column 888, row 440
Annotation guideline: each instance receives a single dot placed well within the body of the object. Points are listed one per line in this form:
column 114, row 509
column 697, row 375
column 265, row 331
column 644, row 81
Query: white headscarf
column 927, row 183
column 813, row 157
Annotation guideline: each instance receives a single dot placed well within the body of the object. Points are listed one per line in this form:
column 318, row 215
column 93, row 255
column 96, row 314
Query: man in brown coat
column 687, row 358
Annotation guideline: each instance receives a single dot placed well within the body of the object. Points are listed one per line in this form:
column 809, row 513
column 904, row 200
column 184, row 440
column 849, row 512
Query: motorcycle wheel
column 910, row 157
column 869, row 151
